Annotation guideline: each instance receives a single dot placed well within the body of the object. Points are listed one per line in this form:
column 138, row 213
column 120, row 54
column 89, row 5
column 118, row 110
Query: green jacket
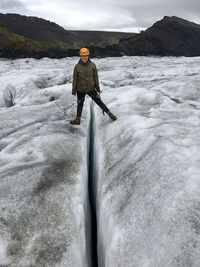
column 85, row 77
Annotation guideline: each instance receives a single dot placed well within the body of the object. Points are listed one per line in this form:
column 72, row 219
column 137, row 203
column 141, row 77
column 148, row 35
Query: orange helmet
column 84, row 51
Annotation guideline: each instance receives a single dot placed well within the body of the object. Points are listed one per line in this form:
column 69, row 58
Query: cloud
column 12, row 4
column 155, row 10
column 116, row 15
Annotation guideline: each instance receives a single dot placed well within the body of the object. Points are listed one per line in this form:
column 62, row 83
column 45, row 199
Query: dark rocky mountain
column 22, row 36
column 39, row 36
column 170, row 36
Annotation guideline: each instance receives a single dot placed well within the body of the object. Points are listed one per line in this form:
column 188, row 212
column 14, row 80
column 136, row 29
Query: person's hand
column 99, row 92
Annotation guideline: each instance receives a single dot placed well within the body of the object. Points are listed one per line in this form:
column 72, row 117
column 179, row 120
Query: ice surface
column 148, row 178
column 43, row 169
column 147, row 164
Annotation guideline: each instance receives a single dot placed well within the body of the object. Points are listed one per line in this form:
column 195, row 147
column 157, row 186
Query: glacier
column 106, row 193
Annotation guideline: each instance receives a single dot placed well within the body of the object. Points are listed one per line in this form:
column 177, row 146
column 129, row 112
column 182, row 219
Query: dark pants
column 93, row 94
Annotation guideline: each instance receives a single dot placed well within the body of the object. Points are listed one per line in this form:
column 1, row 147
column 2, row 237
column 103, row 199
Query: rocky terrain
column 171, row 36
column 23, row 36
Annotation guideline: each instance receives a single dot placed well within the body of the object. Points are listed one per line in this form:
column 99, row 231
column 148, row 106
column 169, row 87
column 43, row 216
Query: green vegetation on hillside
column 18, row 42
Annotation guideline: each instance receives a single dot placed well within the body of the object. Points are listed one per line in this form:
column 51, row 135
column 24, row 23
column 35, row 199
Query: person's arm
column 96, row 79
column 75, row 79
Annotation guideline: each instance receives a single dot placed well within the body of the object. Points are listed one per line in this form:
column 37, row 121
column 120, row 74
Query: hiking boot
column 76, row 121
column 112, row 116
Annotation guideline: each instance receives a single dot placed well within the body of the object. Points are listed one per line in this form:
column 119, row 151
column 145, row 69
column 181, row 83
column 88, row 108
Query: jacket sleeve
column 75, row 79
column 96, row 79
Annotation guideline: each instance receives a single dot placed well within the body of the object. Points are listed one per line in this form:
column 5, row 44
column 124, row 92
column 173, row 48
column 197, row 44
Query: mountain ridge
column 170, row 36
column 54, row 35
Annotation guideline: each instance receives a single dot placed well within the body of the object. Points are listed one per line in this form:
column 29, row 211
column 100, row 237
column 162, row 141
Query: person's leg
column 80, row 102
column 93, row 94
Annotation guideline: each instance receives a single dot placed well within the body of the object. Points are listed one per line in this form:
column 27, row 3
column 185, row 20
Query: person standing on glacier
column 86, row 81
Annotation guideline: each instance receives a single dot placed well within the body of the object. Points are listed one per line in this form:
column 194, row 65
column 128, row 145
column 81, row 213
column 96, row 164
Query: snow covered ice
column 43, row 186
column 146, row 173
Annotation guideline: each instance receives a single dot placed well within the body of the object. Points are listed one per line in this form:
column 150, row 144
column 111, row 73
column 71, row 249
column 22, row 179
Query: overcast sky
column 108, row 15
